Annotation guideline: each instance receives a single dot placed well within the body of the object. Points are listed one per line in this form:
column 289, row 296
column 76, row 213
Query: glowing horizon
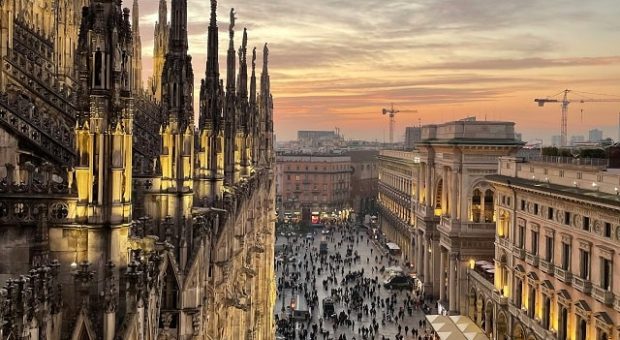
column 337, row 64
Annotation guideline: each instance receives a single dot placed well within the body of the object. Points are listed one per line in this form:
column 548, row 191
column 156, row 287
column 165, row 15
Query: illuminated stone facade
column 436, row 203
column 397, row 181
column 558, row 228
column 120, row 218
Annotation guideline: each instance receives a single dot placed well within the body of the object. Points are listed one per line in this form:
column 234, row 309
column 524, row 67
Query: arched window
column 476, row 207
column 489, row 208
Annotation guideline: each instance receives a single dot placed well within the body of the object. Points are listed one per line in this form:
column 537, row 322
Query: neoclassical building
column 121, row 218
column 398, row 173
column 436, row 203
column 558, row 227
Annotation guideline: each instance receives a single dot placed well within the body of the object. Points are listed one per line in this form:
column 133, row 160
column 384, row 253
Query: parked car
column 399, row 282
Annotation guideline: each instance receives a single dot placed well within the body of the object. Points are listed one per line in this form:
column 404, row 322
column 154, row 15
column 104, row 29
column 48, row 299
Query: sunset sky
column 337, row 63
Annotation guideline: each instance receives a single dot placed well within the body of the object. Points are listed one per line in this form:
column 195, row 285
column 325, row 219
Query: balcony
column 603, row 295
column 504, row 242
column 547, row 267
column 453, row 226
column 518, row 252
column 563, row 275
column 583, row 285
column 532, row 259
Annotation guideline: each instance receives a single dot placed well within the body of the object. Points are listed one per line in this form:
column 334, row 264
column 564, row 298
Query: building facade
column 364, row 181
column 121, row 218
column 455, row 220
column 413, row 134
column 398, row 173
column 321, row 183
column 558, row 228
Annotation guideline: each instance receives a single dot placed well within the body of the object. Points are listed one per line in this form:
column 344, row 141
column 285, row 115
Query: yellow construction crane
column 564, row 101
column 392, row 113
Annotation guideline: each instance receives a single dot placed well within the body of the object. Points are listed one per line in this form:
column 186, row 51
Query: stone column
column 420, row 254
column 427, row 173
column 427, row 264
column 442, row 270
column 454, row 197
column 444, row 191
column 452, row 283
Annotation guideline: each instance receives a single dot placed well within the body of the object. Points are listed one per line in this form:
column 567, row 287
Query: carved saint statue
column 232, row 20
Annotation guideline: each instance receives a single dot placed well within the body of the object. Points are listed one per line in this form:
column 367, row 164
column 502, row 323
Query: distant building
column 364, row 180
column 314, row 138
column 412, row 136
column 595, row 135
column 556, row 140
column 577, row 139
column 320, row 182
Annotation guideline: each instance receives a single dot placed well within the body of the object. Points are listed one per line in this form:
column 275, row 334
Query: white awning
column 392, row 246
column 456, row 327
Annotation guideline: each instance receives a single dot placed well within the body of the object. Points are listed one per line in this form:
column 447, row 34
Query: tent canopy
column 457, row 327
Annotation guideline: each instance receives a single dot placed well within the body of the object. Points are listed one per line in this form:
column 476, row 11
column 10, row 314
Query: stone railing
column 581, row 284
column 481, row 282
column 563, row 275
column 407, row 155
column 594, row 163
column 519, row 252
column 455, row 226
column 603, row 295
column 532, row 259
column 547, row 267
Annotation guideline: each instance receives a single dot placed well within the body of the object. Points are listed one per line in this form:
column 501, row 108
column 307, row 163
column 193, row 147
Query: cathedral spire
column 230, row 75
column 264, row 82
column 137, row 48
column 213, row 68
column 243, row 67
column 253, row 79
column 178, row 27
column 163, row 12
column 160, row 49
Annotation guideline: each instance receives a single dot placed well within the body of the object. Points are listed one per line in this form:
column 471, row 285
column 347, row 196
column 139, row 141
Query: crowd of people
column 351, row 275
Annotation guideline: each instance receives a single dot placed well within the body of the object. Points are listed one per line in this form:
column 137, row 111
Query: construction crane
column 392, row 113
column 564, row 101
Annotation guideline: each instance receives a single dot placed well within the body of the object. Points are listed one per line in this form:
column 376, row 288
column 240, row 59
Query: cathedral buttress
column 177, row 159
column 104, row 134
column 210, row 171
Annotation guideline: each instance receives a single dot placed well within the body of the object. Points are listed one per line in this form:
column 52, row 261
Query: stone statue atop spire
column 231, row 27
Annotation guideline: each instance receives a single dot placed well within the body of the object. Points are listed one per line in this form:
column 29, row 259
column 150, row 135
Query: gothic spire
column 253, row 79
column 264, row 82
column 178, row 27
column 243, row 66
column 135, row 18
column 213, row 68
column 230, row 75
column 137, row 48
column 163, row 12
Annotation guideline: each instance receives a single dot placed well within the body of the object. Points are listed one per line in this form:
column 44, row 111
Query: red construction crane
column 565, row 101
column 392, row 112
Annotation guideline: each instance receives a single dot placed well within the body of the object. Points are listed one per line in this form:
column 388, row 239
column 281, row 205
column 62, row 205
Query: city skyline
column 335, row 67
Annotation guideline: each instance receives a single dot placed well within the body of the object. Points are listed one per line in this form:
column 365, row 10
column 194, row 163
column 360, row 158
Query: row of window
column 585, row 258
column 566, row 217
column 341, row 167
